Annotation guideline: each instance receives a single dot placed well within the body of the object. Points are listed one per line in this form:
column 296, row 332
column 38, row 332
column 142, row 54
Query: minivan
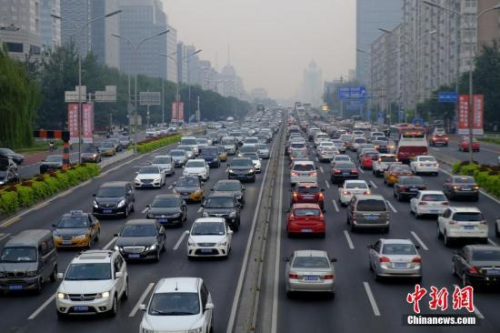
column 368, row 211
column 27, row 261
column 114, row 199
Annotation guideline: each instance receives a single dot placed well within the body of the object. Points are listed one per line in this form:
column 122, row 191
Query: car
column 306, row 218
column 8, row 170
column 209, row 237
column 230, row 186
column 264, row 151
column 211, row 155
column 94, row 282
column 368, row 212
column 223, row 205
column 464, row 144
column 114, row 198
column 247, row 148
column 51, row 163
column 477, row 265
column 407, row 187
column 107, row 148
column 339, row 145
column 165, row 163
column 366, row 160
column 365, row 148
column 326, row 153
column 192, row 143
column 383, row 163
column 222, row 153
column 124, row 141
column 229, row 144
column 340, row 158
column 179, row 156
column 310, row 271
column 347, row 140
column 382, row 146
column 152, row 133
column 149, row 177
column 462, row 223
column 256, row 160
column 76, row 229
column 91, row 154
column 461, row 187
column 197, row 167
column 395, row 258
column 298, row 155
column 341, row 171
column 351, row 188
column 396, row 170
column 202, row 143
column 241, row 169
column 424, row 164
column 116, row 142
column 190, row 153
column 189, row 188
column 141, row 239
column 356, row 142
column 17, row 158
column 428, row 203
column 180, row 304
column 167, row 209
column 439, row 139
column 308, row 193
column 303, row 171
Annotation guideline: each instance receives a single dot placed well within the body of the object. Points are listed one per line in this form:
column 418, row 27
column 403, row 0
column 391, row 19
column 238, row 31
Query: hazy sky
column 271, row 41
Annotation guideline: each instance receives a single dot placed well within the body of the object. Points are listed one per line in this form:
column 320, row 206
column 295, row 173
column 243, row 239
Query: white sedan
column 429, row 203
column 352, row 188
column 197, row 167
column 209, row 237
column 425, row 164
column 150, row 176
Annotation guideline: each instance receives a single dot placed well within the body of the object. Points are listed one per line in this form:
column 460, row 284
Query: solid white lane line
column 361, row 170
column 391, row 206
column 42, row 307
column 2, row 236
column 414, row 234
column 170, row 187
column 335, row 206
column 179, row 242
column 321, row 169
column 107, row 246
column 476, row 310
column 327, row 183
column 200, row 209
column 141, row 299
column 144, row 210
column 369, row 293
column 349, row 240
column 373, row 184
column 492, row 242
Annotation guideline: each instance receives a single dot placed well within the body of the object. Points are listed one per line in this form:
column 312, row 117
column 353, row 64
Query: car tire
column 439, row 234
column 386, row 230
column 352, row 227
column 497, row 232
column 446, row 239
column 465, row 281
column 61, row 316
column 97, row 235
column 454, row 270
column 127, row 213
column 53, row 275
column 114, row 308
column 90, row 244
column 418, row 279
column 132, row 209
column 376, row 277
column 39, row 286
column 157, row 256
column 125, row 292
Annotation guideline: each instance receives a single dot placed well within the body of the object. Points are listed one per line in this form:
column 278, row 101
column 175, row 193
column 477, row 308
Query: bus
column 411, row 142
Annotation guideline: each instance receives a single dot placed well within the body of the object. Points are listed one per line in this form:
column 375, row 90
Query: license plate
column 107, row 211
column 16, row 287
column 134, row 256
column 306, row 230
column 81, row 308
column 162, row 220
column 413, row 189
column 493, row 272
column 206, row 250
column 311, row 278
column 345, row 173
column 469, row 227
column 434, row 211
column 67, row 242
column 400, row 265
column 308, row 197
column 466, row 188
column 371, row 217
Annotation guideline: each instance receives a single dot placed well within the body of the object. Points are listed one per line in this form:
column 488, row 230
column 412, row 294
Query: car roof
column 456, row 209
column 396, row 241
column 310, row 253
column 478, row 247
column 141, row 221
column 303, row 162
column 228, row 181
column 102, row 256
column 307, row 184
column 178, row 285
column 209, row 219
column 167, row 196
column 115, row 183
column 431, row 192
column 370, row 197
column 197, row 160
column 221, row 194
column 28, row 237
column 355, row 181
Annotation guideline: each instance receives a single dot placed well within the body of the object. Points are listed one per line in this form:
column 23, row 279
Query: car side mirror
column 54, row 225
column 186, row 232
column 118, row 275
column 142, row 307
column 174, row 183
column 417, row 246
column 333, row 260
column 203, row 204
column 209, row 306
column 94, row 195
column 211, row 190
column 243, row 189
column 229, row 232
column 322, row 190
column 116, row 235
column 369, row 185
column 369, row 246
column 60, row 276
column 286, row 259
column 148, row 206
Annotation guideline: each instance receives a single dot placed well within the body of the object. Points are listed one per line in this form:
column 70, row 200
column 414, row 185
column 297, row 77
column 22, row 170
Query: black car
column 8, row 170
column 382, row 146
column 478, row 265
column 223, row 205
column 230, row 186
column 241, row 169
column 189, row 188
column 343, row 170
column 211, row 156
column 141, row 239
column 91, row 154
column 408, row 186
column 114, row 199
column 461, row 187
column 17, row 158
column 168, row 209
column 51, row 162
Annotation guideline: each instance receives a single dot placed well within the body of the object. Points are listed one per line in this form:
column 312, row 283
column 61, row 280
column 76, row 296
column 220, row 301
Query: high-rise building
column 50, row 28
column 193, row 65
column 312, row 85
column 208, row 76
column 370, row 16
column 172, row 54
column 20, row 28
column 488, row 28
column 141, row 19
column 182, row 76
column 259, row 93
column 97, row 37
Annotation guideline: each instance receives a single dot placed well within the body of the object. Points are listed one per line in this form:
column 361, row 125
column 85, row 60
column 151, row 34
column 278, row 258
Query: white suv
column 94, row 282
column 303, row 172
column 209, row 237
column 180, row 304
column 462, row 222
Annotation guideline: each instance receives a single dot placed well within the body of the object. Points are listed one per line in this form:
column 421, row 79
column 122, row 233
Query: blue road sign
column 447, row 97
column 352, row 93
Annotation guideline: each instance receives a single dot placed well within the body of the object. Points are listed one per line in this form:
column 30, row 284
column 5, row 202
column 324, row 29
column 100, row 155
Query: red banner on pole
column 88, row 117
column 177, row 112
column 477, row 114
column 463, row 114
column 73, row 122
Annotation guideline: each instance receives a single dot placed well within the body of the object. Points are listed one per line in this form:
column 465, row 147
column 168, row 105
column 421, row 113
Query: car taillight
column 483, row 222
column 321, row 196
column 366, row 192
column 328, row 277
column 473, row 270
column 295, row 173
column 402, row 188
column 313, row 173
column 453, row 222
column 422, row 203
column 446, row 203
column 336, row 171
column 293, row 276
column 354, row 171
column 295, row 195
column 417, row 259
column 384, row 259
column 346, row 192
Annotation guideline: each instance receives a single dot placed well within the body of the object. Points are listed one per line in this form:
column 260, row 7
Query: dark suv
column 223, row 205
column 211, row 156
column 242, row 169
column 114, row 199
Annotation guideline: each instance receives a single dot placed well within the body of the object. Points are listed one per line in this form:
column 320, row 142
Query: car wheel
column 454, row 269
column 157, row 256
column 376, row 277
column 97, row 235
column 465, row 281
column 39, row 285
column 418, row 279
column 497, row 232
column 132, row 209
column 352, row 227
column 127, row 213
column 91, row 243
column 439, row 234
column 446, row 239
column 114, row 308
column 386, row 230
column 125, row 292
column 53, row 275
column 61, row 316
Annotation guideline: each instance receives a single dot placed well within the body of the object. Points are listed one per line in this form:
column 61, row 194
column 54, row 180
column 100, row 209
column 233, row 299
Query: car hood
column 52, row 163
column 241, row 167
column 164, row 210
column 18, row 266
column 85, row 286
column 70, row 231
column 194, row 170
column 216, row 210
column 207, row 238
column 234, row 193
column 112, row 200
column 182, row 189
column 162, row 166
column 135, row 241
column 148, row 176
column 172, row 323
column 89, row 154
column 179, row 158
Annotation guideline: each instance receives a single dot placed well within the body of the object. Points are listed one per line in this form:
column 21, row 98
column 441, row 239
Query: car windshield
column 400, row 168
column 307, row 189
column 177, row 153
column 219, row 202
column 6, row 151
column 306, row 212
column 209, row 152
column 189, row 142
column 253, row 156
column 149, row 170
column 468, row 217
column 162, row 160
column 107, row 144
column 371, row 205
column 486, row 255
column 110, row 192
column 228, row 142
column 387, row 158
column 427, row 159
column 303, row 167
column 401, row 249
column 19, row 254
column 411, row 180
column 202, row 141
column 73, row 222
column 262, row 147
column 342, row 158
column 433, row 197
column 241, row 163
column 89, row 149
column 297, row 145
column 208, row 228
column 138, row 230
column 165, row 203
column 227, row 186
column 344, row 166
column 464, row 180
column 53, row 158
column 174, row 304
column 195, row 164
column 356, row 185
column 311, row 262
column 90, row 271
column 188, row 182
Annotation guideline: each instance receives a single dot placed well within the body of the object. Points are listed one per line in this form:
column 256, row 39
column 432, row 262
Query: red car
column 464, row 144
column 439, row 140
column 308, row 193
column 367, row 160
column 305, row 218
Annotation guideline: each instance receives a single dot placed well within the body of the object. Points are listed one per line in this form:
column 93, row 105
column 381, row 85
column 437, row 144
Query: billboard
column 477, row 114
column 177, row 112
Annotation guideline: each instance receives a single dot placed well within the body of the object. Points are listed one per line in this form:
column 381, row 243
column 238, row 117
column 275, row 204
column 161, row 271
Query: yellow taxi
column 395, row 170
column 189, row 188
column 76, row 229
column 222, row 153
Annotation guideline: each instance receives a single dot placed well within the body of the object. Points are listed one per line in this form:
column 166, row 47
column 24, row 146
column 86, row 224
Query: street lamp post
column 471, row 62
column 79, row 29
column 189, row 82
column 135, row 48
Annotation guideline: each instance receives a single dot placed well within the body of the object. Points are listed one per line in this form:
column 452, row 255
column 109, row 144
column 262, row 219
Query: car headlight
column 196, row 330
column 222, row 243
column 157, row 180
column 117, row 248
column 205, row 214
column 152, row 247
column 232, row 214
column 102, row 295
column 82, row 236
column 62, row 296
column 251, row 171
column 191, row 242
column 150, row 216
column 95, row 204
column 231, row 171
column 32, row 273
column 121, row 203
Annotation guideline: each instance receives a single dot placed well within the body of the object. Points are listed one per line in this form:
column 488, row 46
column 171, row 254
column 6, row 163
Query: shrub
column 9, row 202
column 40, row 190
column 53, row 184
column 26, row 196
column 150, row 145
column 63, row 179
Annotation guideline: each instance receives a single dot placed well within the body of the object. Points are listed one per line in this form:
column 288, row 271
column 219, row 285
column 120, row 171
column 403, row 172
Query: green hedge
column 151, row 145
column 486, row 176
column 29, row 192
